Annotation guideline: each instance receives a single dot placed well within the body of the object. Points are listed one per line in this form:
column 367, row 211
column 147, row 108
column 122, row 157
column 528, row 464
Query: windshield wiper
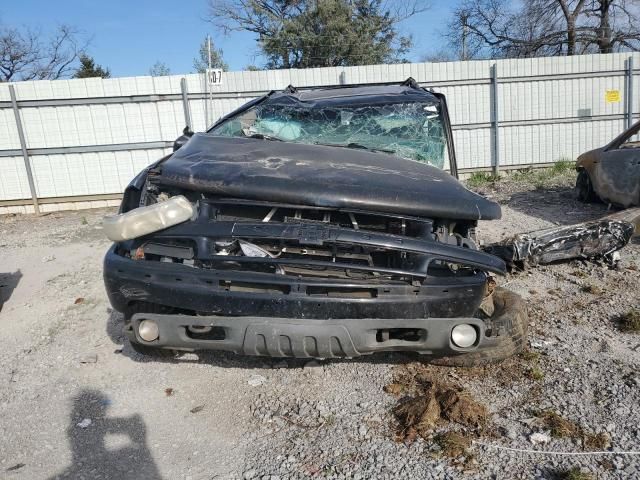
column 262, row 136
column 355, row 145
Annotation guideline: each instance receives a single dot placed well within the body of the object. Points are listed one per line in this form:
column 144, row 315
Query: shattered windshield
column 413, row 130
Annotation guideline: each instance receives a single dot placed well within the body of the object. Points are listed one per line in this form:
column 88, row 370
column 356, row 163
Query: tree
column 320, row 33
column 442, row 55
column 89, row 69
column 614, row 25
column 201, row 62
column 502, row 28
column 27, row 54
column 159, row 69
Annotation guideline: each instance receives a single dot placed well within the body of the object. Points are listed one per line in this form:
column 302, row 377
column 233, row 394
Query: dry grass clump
column 630, row 321
column 574, row 473
column 453, row 444
column 560, row 427
column 427, row 403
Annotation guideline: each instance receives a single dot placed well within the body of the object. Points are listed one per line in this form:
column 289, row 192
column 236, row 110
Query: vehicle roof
column 341, row 95
column 353, row 94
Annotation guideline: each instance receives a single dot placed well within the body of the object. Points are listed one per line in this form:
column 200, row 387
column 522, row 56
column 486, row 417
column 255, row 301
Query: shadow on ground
column 557, row 205
column 107, row 447
column 8, row 283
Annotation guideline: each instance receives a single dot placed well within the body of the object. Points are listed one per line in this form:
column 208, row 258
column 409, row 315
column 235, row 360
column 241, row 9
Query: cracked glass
column 413, row 130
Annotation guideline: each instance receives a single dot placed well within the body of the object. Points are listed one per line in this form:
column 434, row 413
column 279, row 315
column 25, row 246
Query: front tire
column 511, row 312
column 584, row 188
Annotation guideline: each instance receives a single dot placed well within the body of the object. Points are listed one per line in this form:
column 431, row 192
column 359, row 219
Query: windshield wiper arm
column 356, row 145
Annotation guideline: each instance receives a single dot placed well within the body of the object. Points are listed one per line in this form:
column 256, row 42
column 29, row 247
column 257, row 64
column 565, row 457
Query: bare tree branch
column 501, row 28
column 25, row 55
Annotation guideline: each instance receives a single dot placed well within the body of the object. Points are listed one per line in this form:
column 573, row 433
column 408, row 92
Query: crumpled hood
column 321, row 176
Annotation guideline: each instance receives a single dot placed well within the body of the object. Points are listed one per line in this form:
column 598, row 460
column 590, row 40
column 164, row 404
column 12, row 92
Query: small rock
column 537, row 438
column 48, row 258
column 256, row 380
column 85, row 423
column 91, row 358
column 249, row 474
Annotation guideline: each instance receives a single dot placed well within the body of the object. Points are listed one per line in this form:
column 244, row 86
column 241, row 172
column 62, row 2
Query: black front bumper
column 280, row 315
column 308, row 338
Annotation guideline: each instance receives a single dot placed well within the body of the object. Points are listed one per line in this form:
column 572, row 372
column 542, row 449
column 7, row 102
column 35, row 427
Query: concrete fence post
column 23, row 146
column 629, row 96
column 185, row 103
column 495, row 131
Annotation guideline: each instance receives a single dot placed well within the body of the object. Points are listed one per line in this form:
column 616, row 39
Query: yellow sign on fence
column 612, row 96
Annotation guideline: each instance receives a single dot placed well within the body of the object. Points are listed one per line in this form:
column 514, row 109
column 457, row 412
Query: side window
column 633, row 140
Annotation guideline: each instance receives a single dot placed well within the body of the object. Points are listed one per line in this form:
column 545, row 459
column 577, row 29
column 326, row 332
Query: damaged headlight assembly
column 145, row 220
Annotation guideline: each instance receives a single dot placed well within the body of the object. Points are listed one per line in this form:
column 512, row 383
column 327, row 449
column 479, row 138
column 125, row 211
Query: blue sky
column 128, row 37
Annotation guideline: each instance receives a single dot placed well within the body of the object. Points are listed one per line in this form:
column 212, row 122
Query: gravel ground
column 77, row 402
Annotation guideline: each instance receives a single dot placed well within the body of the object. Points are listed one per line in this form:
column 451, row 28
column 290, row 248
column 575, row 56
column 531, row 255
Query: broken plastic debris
column 256, row 380
column 538, row 438
column 85, row 423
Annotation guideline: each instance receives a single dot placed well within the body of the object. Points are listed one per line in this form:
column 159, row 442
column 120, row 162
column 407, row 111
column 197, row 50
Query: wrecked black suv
column 312, row 223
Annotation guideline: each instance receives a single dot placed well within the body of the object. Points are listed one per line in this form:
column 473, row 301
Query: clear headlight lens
column 144, row 220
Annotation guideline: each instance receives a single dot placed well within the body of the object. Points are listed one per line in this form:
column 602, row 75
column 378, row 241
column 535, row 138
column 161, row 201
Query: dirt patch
column 519, row 369
column 427, row 402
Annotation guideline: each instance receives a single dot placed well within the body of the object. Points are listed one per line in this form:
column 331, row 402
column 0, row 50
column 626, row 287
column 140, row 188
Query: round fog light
column 464, row 335
column 148, row 330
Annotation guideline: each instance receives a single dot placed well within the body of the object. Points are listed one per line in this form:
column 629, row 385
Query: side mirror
column 187, row 133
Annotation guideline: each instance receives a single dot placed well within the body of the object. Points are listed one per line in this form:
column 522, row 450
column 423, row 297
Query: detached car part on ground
column 592, row 240
column 612, row 173
column 313, row 223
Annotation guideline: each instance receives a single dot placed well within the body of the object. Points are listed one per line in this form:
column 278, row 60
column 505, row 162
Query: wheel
column 147, row 350
column 510, row 315
column 584, row 188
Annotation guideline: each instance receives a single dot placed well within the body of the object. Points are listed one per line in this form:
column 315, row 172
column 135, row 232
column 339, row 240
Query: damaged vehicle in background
column 313, row 223
column 612, row 173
